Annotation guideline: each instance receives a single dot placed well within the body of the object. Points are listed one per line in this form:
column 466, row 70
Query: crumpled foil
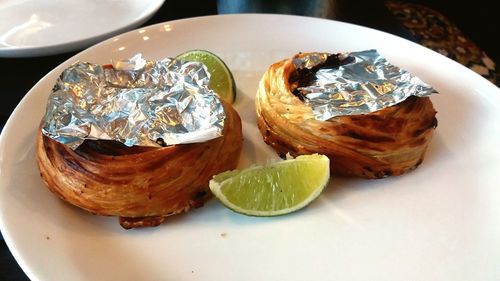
column 367, row 82
column 134, row 101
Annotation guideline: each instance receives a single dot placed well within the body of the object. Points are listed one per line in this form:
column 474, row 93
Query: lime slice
column 272, row 190
column 221, row 78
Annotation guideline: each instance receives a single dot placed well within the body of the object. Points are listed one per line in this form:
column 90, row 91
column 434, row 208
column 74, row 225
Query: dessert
column 141, row 185
column 134, row 174
column 385, row 142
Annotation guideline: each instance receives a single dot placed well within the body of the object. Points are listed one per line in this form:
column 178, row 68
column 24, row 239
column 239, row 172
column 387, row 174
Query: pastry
column 387, row 142
column 136, row 139
column 141, row 185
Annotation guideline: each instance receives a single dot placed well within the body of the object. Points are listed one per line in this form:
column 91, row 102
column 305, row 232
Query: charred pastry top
column 302, row 77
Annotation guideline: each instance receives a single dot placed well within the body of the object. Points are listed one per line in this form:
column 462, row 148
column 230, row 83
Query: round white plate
column 439, row 222
column 31, row 28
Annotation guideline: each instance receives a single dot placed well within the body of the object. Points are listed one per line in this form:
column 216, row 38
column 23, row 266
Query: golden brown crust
column 391, row 141
column 140, row 184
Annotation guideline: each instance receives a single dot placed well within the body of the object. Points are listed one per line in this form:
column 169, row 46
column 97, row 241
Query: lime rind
column 222, row 80
column 231, row 178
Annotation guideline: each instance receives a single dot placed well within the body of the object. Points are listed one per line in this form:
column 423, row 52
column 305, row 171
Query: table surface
column 19, row 75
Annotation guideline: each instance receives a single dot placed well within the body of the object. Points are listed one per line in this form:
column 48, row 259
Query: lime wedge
column 221, row 78
column 276, row 189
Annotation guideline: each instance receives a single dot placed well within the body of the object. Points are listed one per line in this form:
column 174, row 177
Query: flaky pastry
column 390, row 141
column 141, row 185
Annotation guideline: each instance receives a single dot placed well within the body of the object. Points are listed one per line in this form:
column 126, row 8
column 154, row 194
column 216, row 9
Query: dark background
column 477, row 19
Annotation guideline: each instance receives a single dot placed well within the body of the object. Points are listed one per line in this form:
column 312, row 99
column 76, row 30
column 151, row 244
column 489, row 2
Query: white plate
column 439, row 222
column 44, row 27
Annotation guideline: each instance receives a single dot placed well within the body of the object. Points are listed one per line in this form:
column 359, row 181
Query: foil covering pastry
column 355, row 83
column 390, row 140
column 141, row 184
column 134, row 101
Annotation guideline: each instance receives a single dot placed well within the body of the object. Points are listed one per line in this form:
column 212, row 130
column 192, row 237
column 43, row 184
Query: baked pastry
column 390, row 141
column 141, row 185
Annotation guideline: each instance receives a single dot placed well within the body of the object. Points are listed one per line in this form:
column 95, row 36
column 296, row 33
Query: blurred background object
column 436, row 31
column 31, row 28
column 311, row 8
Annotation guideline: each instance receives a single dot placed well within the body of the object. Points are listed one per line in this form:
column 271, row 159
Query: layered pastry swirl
column 390, row 141
column 141, row 185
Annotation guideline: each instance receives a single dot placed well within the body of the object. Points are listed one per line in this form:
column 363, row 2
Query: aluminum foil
column 134, row 101
column 365, row 83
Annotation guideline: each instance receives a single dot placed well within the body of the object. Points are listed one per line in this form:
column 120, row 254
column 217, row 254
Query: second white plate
column 44, row 27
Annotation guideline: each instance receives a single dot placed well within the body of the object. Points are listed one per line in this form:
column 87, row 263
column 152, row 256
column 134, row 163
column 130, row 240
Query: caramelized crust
column 141, row 185
column 391, row 141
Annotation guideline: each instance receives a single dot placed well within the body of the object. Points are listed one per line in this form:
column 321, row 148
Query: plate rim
column 8, row 240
